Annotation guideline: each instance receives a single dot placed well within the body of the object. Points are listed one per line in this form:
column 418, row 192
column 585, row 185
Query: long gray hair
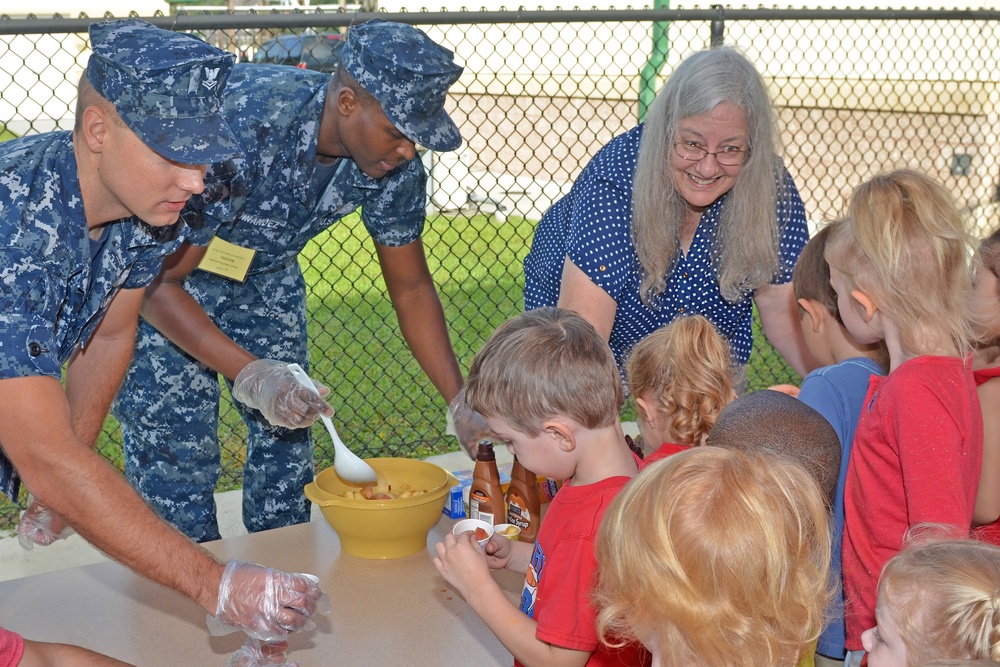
column 746, row 248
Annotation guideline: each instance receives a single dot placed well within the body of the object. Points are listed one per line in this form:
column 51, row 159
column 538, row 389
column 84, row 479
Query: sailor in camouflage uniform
column 87, row 218
column 317, row 147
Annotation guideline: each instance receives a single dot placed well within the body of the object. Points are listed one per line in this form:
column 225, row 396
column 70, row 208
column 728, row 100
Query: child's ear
column 561, row 434
column 647, row 411
column 814, row 311
column 868, row 307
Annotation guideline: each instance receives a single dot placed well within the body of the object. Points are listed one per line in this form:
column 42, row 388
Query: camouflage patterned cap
column 167, row 88
column 409, row 74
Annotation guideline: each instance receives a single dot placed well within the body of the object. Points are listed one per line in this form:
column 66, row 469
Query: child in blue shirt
column 837, row 391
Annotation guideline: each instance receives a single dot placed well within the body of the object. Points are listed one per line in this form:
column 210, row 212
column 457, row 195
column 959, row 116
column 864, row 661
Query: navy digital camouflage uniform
column 56, row 281
column 168, row 405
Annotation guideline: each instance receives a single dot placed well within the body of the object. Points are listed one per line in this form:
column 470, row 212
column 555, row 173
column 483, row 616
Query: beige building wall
column 538, row 101
column 828, row 150
column 854, row 97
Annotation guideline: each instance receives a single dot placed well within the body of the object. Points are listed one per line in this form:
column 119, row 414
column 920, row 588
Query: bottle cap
column 485, row 451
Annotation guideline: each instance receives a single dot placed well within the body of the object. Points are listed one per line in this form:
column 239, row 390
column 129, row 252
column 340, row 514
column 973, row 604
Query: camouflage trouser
column 168, row 407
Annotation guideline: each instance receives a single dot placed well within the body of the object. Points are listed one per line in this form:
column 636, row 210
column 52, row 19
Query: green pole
column 661, row 47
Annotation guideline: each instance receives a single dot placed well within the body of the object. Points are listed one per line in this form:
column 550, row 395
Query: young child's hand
column 462, row 563
column 498, row 552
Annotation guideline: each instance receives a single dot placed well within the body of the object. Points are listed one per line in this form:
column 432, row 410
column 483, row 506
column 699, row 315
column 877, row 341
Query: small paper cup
column 470, row 525
column 508, row 530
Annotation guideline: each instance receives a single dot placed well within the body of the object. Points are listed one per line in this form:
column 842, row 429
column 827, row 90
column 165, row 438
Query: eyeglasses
column 727, row 156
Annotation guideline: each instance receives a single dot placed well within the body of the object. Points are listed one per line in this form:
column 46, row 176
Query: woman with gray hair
column 691, row 212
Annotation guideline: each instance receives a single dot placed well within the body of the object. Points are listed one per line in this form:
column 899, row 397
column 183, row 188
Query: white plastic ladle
column 348, row 465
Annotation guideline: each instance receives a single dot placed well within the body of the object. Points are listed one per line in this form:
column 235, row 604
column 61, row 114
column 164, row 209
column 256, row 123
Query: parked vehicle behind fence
column 308, row 50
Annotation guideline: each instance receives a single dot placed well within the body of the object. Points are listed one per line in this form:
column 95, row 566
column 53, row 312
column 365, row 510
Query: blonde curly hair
column 715, row 557
column 688, row 368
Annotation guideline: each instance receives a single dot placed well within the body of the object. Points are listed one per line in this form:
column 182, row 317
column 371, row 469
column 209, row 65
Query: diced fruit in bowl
column 383, row 490
column 383, row 528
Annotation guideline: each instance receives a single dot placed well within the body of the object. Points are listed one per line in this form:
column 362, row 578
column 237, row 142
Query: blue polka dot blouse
column 592, row 225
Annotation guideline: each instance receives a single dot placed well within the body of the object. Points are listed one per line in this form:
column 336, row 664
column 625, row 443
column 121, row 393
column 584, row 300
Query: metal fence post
column 658, row 56
column 718, row 27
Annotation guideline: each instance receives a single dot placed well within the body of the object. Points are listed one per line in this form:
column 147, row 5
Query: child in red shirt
column 14, row 651
column 680, row 377
column 986, row 320
column 900, row 267
column 548, row 386
column 717, row 557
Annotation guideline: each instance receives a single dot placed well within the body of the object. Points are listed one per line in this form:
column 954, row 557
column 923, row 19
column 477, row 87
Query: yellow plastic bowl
column 384, row 528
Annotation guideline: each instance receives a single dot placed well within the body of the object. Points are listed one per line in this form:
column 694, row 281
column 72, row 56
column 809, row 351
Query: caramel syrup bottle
column 486, row 493
column 523, row 504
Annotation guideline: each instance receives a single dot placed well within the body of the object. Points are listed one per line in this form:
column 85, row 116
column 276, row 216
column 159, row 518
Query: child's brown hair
column 811, row 281
column 811, row 276
column 543, row 363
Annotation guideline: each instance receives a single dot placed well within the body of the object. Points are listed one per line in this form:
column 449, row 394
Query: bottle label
column 480, row 507
column 517, row 513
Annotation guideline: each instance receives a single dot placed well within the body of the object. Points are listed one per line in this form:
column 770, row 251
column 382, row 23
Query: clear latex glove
column 256, row 652
column 268, row 386
column 40, row 525
column 470, row 427
column 266, row 603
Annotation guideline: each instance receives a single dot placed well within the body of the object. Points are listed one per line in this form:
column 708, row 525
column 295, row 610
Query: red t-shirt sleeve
column 11, row 648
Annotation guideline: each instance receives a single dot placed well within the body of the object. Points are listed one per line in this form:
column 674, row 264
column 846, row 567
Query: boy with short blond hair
column 548, row 386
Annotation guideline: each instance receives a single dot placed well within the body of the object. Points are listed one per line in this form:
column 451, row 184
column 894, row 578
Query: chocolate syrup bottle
column 523, row 504
column 486, row 494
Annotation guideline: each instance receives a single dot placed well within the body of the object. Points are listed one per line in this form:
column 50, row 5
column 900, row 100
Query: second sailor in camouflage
column 317, row 148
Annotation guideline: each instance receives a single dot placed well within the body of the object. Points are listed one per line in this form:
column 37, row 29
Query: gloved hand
column 268, row 386
column 470, row 427
column 40, row 525
column 255, row 653
column 266, row 603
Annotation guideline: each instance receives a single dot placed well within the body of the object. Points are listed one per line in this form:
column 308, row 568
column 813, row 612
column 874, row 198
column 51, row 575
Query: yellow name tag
column 227, row 259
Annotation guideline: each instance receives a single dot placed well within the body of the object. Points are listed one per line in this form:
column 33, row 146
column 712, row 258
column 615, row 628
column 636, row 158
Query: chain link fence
column 856, row 92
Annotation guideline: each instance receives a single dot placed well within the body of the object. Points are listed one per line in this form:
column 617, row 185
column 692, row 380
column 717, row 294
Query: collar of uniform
column 308, row 135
